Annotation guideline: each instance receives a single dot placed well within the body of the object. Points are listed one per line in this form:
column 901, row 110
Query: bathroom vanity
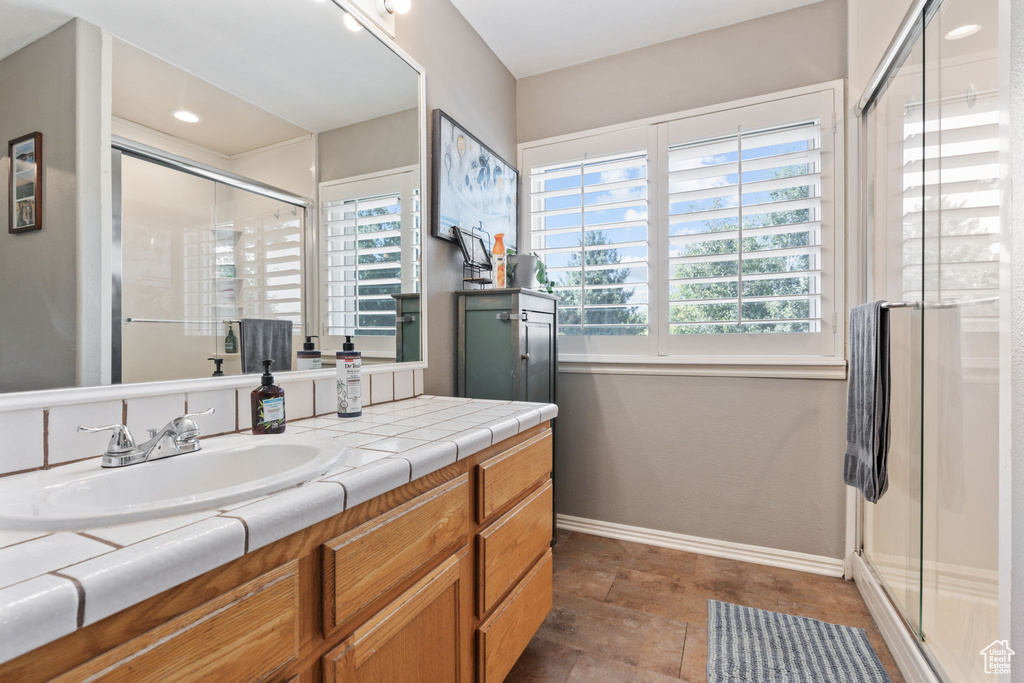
column 445, row 577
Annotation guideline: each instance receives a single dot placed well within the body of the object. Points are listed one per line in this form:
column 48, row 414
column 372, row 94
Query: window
column 371, row 245
column 589, row 223
column 707, row 235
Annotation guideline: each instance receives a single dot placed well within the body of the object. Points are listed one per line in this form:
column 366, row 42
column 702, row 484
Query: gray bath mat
column 747, row 644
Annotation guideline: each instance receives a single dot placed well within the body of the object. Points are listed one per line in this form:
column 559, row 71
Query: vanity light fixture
column 386, row 7
column 963, row 31
column 185, row 115
column 351, row 23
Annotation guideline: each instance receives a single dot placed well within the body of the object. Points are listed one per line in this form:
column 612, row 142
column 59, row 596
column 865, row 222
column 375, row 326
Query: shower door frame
column 901, row 638
column 120, row 146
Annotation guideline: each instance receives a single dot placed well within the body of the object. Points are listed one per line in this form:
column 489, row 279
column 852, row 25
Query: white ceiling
column 20, row 26
column 535, row 36
column 293, row 58
column 147, row 89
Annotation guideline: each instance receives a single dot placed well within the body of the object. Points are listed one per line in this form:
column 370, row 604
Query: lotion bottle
column 268, row 405
column 309, row 358
column 350, row 380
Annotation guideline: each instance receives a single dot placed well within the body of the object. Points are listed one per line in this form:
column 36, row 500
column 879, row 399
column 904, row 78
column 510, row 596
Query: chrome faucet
column 180, row 435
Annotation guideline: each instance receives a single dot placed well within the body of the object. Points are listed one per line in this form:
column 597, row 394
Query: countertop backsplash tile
column 65, row 443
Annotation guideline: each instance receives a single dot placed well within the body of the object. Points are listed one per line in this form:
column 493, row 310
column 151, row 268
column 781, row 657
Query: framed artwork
column 26, row 183
column 472, row 186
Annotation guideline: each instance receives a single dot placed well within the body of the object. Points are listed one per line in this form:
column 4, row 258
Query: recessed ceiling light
column 963, row 31
column 185, row 115
column 351, row 23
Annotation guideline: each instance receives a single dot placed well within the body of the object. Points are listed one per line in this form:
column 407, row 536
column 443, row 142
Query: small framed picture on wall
column 26, row 183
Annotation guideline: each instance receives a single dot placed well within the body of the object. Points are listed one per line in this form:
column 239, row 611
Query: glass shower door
column 932, row 201
column 960, row 379
column 892, row 527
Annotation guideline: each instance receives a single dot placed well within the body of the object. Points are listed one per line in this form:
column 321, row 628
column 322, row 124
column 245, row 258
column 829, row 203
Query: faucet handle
column 208, row 411
column 121, row 440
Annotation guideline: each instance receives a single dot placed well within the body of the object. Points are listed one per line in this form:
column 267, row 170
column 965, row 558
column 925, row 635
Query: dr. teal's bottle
column 350, row 380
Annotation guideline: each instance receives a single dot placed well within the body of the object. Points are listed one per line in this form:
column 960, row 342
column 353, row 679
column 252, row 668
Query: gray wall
column 379, row 144
column 765, row 55
column 38, row 269
column 467, row 81
column 755, row 461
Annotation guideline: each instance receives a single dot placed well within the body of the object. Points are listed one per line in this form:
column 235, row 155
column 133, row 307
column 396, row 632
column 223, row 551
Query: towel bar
column 938, row 304
column 189, row 322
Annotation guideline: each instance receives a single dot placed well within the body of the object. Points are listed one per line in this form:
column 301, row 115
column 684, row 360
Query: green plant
column 542, row 276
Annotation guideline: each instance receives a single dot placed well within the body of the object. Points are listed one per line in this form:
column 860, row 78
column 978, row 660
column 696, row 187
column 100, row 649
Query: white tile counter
column 54, row 583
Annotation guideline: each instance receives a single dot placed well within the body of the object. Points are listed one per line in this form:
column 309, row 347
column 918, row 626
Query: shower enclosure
column 930, row 159
column 195, row 250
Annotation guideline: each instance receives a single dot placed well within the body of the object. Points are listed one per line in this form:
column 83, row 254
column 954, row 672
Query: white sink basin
column 84, row 495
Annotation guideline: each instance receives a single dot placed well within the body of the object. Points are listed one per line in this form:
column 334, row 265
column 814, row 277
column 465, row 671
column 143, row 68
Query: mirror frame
column 46, row 398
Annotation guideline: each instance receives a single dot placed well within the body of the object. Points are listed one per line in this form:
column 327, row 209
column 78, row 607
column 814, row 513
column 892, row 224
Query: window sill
column 780, row 367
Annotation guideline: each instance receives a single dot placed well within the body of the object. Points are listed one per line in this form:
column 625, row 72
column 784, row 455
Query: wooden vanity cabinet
column 444, row 579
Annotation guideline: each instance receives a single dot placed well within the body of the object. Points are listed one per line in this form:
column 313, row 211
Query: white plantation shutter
column 715, row 234
column 270, row 247
column 745, row 232
column 961, row 256
column 365, row 226
column 589, row 226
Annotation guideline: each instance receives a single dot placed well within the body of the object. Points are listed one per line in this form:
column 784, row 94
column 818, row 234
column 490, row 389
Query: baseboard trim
column 772, row 557
column 901, row 642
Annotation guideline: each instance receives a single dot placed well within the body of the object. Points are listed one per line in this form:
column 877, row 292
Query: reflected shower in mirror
column 192, row 182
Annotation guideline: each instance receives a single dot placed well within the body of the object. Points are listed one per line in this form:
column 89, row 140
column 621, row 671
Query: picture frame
column 25, row 184
column 472, row 187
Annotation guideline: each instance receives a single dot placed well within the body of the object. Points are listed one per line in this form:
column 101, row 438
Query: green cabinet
column 507, row 346
column 407, row 327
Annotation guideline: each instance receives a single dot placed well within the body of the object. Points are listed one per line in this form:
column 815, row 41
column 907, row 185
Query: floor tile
column 673, row 598
column 585, row 579
column 544, row 661
column 599, row 628
column 592, row 669
column 630, row 612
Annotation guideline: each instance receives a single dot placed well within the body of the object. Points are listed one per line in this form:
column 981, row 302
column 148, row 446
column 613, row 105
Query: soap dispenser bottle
column 267, row 405
column 231, row 341
column 350, row 380
column 218, row 371
column 309, row 358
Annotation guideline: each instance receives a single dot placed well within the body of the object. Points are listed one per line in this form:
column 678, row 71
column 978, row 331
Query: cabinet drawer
column 504, row 636
column 246, row 634
column 366, row 562
column 510, row 546
column 505, row 477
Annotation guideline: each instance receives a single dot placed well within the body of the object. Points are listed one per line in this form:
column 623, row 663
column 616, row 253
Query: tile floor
column 625, row 612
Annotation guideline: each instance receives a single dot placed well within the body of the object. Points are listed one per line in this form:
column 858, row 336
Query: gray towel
column 867, row 405
column 261, row 339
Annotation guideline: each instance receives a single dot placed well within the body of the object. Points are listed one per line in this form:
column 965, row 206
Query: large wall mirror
column 211, row 173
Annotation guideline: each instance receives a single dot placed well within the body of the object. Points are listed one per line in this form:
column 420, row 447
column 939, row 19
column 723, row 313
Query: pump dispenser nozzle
column 308, row 345
column 267, row 379
column 217, row 362
column 348, row 345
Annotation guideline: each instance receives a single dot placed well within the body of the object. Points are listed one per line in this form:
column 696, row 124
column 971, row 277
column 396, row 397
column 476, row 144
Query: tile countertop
column 54, row 583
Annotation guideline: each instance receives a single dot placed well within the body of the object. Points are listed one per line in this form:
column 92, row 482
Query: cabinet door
column 248, row 634
column 537, row 340
column 422, row 636
column 488, row 352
